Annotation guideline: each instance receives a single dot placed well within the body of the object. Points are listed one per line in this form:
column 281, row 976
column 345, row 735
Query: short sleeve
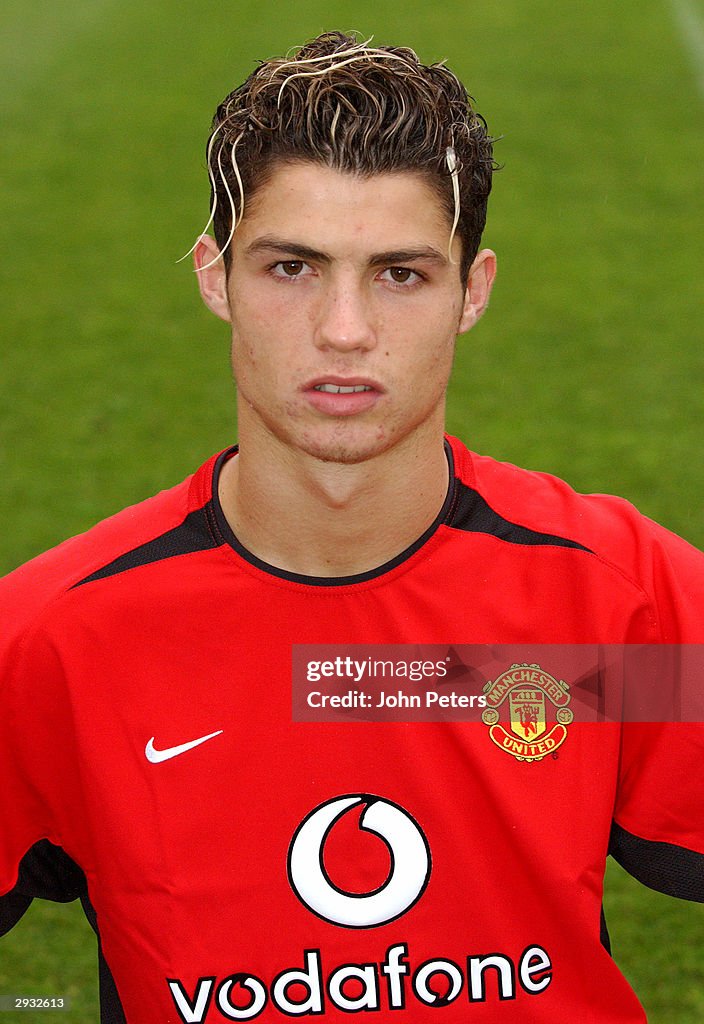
column 35, row 766
column 23, row 815
column 658, row 830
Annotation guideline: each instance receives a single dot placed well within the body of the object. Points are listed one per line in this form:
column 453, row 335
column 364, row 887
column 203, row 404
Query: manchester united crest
column 527, row 712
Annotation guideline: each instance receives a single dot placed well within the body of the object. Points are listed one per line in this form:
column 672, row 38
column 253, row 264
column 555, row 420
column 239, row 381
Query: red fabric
column 186, row 859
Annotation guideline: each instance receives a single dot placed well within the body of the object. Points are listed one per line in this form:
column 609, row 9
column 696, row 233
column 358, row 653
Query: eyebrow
column 394, row 257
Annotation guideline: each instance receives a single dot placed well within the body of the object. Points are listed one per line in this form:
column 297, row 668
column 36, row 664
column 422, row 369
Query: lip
column 344, row 382
column 337, row 404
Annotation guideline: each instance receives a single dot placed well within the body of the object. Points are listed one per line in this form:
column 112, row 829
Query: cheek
column 435, row 348
column 431, row 368
column 250, row 332
column 264, row 323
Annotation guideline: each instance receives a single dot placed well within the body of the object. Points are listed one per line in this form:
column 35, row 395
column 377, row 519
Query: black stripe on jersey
column 207, row 528
column 111, row 1011
column 195, row 533
column 12, row 906
column 463, row 509
column 674, row 870
column 604, row 932
column 472, row 513
column 224, row 530
column 47, row 872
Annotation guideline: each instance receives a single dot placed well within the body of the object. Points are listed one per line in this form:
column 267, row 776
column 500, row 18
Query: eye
column 401, row 275
column 290, row 268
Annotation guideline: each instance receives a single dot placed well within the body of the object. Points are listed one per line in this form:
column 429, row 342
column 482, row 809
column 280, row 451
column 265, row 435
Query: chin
column 344, row 455
column 347, row 451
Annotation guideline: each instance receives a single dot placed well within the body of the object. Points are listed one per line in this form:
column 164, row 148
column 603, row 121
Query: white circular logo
column 407, row 846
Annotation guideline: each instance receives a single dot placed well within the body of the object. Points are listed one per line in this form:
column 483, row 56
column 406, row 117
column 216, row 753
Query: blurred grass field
column 115, row 382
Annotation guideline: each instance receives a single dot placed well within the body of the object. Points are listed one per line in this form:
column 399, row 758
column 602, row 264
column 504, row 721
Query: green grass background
column 115, row 381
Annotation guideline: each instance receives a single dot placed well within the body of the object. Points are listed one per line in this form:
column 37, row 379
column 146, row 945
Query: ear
column 479, row 285
column 212, row 278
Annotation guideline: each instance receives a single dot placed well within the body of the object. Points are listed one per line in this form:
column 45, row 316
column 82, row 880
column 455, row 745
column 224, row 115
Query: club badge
column 527, row 712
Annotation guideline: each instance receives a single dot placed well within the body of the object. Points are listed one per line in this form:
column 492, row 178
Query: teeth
column 339, row 389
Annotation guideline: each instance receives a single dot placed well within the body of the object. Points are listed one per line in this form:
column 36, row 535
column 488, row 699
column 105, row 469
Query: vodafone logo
column 317, row 983
column 408, row 876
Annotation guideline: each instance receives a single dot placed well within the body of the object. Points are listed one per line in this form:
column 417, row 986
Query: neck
column 319, row 518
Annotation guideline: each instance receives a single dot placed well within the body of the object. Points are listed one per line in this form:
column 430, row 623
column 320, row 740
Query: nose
column 345, row 318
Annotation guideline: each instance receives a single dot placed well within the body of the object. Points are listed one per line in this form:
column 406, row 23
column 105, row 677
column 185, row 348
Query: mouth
column 342, row 385
column 337, row 396
column 342, row 389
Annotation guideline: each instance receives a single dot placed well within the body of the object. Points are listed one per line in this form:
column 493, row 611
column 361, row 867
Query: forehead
column 324, row 206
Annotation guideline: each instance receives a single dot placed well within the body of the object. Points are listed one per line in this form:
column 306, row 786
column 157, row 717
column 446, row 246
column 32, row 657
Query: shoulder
column 606, row 525
column 599, row 527
column 27, row 591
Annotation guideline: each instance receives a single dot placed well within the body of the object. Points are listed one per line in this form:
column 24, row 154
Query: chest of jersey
column 263, row 867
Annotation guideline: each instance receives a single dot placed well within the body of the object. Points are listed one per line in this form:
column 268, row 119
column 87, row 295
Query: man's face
column 344, row 310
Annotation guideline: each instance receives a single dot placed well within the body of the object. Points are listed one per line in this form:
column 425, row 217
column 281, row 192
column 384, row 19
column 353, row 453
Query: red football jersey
column 239, row 864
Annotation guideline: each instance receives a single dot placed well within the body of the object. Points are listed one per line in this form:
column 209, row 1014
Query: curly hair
column 356, row 108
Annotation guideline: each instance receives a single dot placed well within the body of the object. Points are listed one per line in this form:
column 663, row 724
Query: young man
column 238, row 863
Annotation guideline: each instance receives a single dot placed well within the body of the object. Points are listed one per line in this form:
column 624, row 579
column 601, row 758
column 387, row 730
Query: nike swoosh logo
column 156, row 756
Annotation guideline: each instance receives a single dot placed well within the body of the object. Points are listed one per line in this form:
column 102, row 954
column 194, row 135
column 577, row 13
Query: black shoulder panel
column 473, row 514
column 196, row 533
column 674, row 870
